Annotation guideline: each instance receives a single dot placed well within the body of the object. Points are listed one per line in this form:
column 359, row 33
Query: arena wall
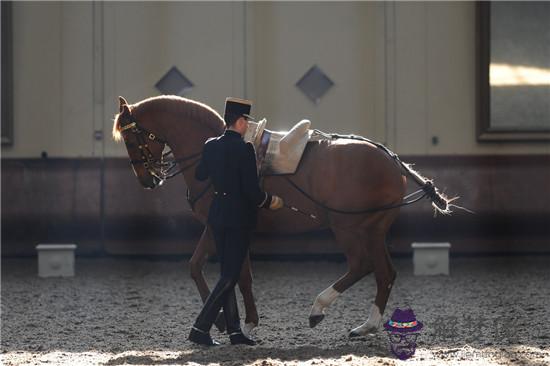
column 70, row 200
column 404, row 74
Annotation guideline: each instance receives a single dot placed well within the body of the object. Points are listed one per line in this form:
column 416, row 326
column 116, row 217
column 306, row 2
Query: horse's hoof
column 220, row 322
column 354, row 333
column 315, row 319
column 248, row 328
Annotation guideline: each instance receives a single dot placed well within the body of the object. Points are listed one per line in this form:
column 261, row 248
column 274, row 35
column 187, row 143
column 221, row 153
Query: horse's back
column 346, row 175
column 353, row 174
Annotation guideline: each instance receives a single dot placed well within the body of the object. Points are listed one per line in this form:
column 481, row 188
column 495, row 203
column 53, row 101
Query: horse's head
column 144, row 147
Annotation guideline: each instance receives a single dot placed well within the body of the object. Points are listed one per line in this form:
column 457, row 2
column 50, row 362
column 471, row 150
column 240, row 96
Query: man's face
column 241, row 125
column 403, row 345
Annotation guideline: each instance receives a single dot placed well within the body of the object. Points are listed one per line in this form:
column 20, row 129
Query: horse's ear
column 122, row 103
column 124, row 110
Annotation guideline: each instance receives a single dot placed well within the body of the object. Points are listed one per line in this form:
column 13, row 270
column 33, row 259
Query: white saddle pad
column 278, row 152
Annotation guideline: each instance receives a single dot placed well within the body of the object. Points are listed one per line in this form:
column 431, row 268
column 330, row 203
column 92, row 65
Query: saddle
column 278, row 152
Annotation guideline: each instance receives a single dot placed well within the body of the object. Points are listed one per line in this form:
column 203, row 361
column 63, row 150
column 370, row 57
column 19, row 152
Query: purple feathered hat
column 403, row 321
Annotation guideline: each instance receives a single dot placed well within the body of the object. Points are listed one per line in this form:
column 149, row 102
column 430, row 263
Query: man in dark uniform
column 231, row 165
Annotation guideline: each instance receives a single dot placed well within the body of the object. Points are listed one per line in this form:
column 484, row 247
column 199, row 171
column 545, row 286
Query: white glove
column 276, row 203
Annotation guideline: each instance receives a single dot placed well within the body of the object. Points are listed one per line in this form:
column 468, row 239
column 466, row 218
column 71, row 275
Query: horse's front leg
column 197, row 261
column 245, row 286
column 205, row 247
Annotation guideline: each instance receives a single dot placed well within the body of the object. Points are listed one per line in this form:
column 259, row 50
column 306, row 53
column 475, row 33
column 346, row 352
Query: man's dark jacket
column 231, row 165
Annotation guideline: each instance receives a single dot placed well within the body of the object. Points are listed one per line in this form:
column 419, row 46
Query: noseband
column 163, row 168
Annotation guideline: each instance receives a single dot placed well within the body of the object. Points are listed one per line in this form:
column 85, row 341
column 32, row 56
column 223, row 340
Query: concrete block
column 431, row 258
column 55, row 260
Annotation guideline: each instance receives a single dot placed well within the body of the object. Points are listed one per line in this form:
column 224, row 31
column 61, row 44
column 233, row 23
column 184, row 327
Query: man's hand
column 276, row 203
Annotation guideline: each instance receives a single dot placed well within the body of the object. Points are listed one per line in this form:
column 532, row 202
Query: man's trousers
column 232, row 245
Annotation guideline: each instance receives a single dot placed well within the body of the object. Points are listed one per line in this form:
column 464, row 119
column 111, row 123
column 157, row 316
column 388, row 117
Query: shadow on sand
column 233, row 355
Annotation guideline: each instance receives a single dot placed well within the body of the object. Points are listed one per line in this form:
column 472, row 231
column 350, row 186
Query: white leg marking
column 323, row 300
column 372, row 324
column 247, row 329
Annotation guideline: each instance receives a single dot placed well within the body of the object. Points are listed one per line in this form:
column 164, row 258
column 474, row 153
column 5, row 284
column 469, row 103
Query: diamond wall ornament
column 314, row 84
column 174, row 83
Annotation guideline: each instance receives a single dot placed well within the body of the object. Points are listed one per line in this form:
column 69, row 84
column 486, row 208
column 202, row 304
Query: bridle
column 163, row 168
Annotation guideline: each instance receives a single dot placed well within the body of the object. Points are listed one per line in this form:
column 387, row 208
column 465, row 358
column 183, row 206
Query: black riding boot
column 231, row 311
column 199, row 337
column 232, row 246
column 213, row 305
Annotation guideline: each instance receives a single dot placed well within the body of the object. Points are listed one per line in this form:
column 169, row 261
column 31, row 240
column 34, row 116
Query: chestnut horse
column 335, row 181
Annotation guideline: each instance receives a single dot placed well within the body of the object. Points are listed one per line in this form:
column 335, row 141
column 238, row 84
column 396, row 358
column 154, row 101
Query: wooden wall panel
column 68, row 200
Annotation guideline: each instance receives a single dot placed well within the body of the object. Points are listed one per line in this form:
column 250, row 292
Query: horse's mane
column 187, row 108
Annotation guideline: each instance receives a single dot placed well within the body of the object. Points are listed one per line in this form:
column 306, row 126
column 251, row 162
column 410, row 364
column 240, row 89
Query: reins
column 192, row 201
column 172, row 163
column 358, row 212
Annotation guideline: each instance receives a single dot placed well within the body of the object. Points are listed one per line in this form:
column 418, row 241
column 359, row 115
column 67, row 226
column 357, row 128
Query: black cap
column 236, row 107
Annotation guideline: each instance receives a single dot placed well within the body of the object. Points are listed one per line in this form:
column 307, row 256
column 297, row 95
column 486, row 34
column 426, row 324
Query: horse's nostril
column 147, row 182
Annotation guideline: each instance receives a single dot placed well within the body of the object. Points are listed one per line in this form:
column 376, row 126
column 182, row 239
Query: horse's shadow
column 233, row 355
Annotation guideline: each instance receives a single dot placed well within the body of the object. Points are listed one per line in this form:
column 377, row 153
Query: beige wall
column 286, row 39
column 52, row 60
column 72, row 60
column 143, row 41
column 404, row 72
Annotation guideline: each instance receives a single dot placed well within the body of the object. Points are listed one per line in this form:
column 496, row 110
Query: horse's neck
column 186, row 141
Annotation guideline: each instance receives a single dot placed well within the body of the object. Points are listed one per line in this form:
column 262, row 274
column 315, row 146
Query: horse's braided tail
column 440, row 202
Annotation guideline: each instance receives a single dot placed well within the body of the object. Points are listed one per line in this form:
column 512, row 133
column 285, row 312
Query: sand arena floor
column 491, row 311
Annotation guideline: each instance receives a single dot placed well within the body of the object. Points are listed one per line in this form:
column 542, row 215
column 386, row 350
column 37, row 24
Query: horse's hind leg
column 245, row 286
column 359, row 267
column 385, row 276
